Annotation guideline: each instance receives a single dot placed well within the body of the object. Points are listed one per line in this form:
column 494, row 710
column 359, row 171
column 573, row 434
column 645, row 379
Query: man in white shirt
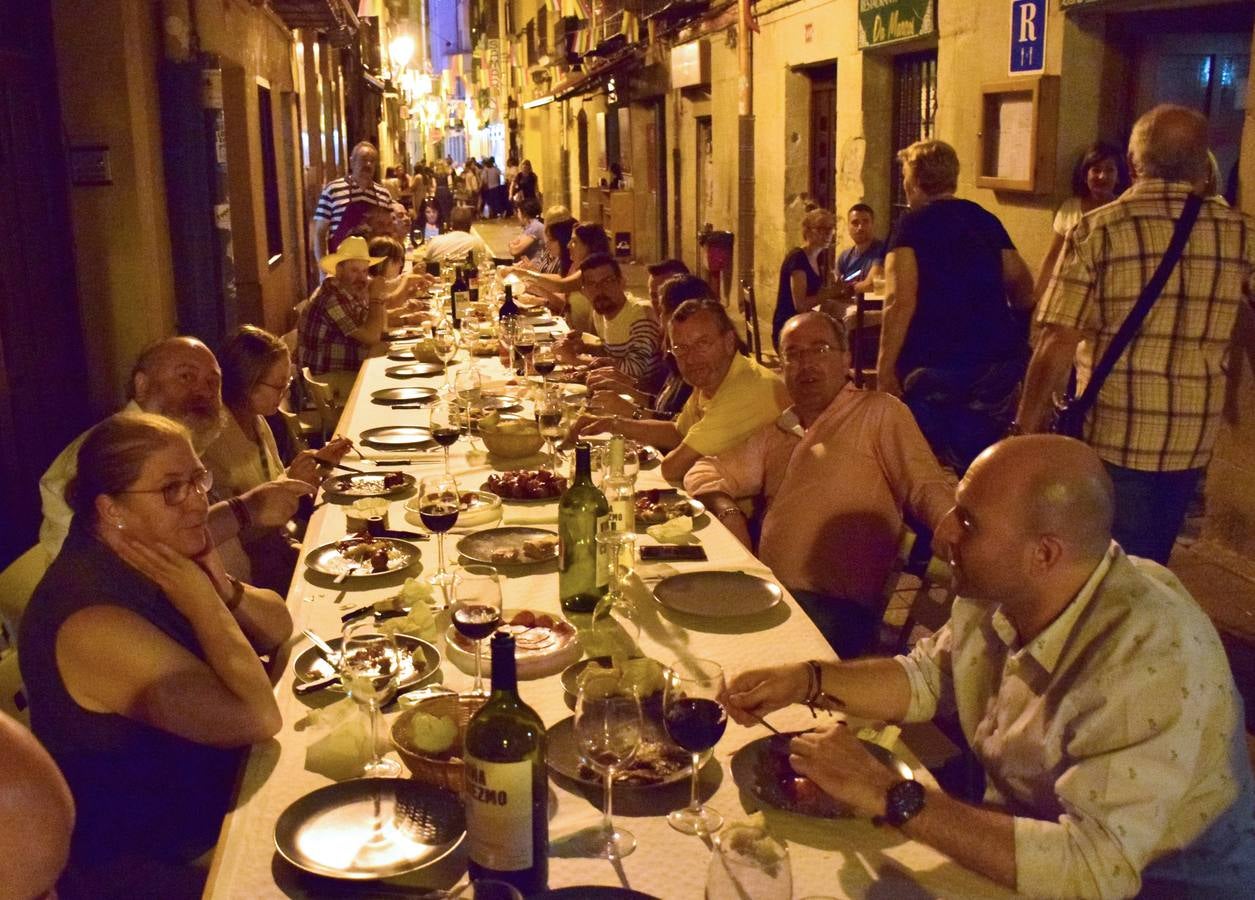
column 454, row 244
column 1089, row 685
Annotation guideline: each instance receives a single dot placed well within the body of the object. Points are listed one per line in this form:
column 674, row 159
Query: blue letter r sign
column 1028, row 36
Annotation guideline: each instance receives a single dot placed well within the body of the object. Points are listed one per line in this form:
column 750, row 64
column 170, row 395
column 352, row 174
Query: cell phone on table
column 685, row 552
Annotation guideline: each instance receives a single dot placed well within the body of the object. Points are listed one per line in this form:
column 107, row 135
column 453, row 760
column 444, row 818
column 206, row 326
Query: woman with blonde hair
column 805, row 270
column 140, row 661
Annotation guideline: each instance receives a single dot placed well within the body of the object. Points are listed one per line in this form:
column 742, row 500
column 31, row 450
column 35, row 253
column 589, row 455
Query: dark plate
column 562, row 755
column 397, row 437
column 404, row 333
column 369, row 485
column 751, row 770
column 717, row 594
column 403, row 354
column 418, row 660
column 328, row 560
column 326, row 832
column 403, row 395
column 414, row 370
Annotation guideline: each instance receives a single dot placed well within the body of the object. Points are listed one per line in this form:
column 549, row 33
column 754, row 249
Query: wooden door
column 823, row 136
column 43, row 377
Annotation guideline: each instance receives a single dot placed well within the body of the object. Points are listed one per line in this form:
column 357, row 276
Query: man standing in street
column 1157, row 415
column 1092, row 689
column 346, row 203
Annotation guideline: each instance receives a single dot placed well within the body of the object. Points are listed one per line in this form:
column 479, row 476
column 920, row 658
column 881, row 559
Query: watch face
column 904, row 800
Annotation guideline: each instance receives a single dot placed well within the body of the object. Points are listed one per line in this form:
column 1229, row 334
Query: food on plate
column 654, row 761
column 506, row 555
column 655, row 506
column 787, row 788
column 539, row 484
column 368, row 485
column 365, row 550
column 534, row 634
column 644, row 674
column 433, row 735
column 541, row 547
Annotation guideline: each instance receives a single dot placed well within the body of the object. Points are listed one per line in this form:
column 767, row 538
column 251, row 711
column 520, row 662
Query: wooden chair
column 17, row 583
column 12, row 693
column 321, row 395
column 930, row 607
column 862, row 328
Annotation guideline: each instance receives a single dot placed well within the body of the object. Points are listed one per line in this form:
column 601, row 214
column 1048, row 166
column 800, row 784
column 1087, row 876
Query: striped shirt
column 633, row 340
column 338, row 194
column 1159, row 410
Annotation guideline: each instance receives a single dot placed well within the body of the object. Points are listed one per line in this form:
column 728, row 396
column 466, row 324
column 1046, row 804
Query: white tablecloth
column 829, row 858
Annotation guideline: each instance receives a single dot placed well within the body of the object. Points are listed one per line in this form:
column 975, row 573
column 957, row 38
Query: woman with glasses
column 256, row 371
column 140, row 661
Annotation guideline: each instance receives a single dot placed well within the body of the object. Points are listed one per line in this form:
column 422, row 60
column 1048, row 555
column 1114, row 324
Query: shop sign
column 1028, row 36
column 883, row 22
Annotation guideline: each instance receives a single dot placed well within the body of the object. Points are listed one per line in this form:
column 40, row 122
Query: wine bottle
column 507, row 787
column 460, row 296
column 509, row 308
column 472, row 278
column 620, row 490
column 583, row 569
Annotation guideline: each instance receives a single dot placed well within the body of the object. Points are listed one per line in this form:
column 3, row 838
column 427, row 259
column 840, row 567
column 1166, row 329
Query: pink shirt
column 834, row 493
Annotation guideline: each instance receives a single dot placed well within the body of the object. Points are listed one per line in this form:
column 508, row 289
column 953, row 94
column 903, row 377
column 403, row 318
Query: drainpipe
column 745, row 156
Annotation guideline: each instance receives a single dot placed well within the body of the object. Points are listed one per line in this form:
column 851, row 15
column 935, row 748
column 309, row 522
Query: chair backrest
column 17, row 583
column 295, row 428
column 12, row 693
column 749, row 309
column 322, row 396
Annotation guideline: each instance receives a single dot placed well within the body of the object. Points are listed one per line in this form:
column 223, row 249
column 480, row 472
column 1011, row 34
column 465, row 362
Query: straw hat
column 557, row 214
column 350, row 248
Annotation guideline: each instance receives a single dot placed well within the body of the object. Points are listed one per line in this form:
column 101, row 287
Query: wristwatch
column 903, row 802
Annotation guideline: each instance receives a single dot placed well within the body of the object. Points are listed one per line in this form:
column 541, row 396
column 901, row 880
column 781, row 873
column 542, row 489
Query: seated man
column 631, row 340
column 732, row 397
column 178, row 378
column 858, row 266
column 38, row 809
column 834, row 471
column 1092, row 688
column 454, row 244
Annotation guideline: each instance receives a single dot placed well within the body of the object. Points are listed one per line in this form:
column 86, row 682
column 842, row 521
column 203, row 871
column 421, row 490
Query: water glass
column 608, row 729
column 369, row 666
column 749, row 862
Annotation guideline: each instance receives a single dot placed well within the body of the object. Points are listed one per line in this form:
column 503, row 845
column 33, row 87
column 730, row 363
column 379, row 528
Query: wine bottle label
column 603, row 558
column 462, row 297
column 499, row 814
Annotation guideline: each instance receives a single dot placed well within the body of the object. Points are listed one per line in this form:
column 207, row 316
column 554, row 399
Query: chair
column 12, row 693
column 749, row 309
column 301, row 431
column 322, row 396
column 930, row 607
column 862, row 327
column 17, row 583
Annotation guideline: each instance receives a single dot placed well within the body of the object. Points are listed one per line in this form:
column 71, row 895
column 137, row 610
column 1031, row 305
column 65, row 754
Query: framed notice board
column 1018, row 134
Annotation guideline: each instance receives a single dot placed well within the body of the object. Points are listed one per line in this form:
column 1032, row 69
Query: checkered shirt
column 323, row 341
column 1159, row 410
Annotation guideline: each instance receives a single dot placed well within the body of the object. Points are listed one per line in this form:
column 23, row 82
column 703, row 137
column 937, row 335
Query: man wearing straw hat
column 341, row 321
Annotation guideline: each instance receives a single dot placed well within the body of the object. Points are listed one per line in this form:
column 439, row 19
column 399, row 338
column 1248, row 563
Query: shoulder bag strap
column 1150, row 293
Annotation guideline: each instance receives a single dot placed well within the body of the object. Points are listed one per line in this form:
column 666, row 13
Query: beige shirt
column 238, row 463
column 1115, row 738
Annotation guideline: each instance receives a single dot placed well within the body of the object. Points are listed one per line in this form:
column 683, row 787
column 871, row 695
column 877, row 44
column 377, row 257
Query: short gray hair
column 1170, row 142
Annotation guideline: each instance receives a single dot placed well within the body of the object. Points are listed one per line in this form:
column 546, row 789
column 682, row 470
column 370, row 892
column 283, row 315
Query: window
column 269, row 174
column 914, row 114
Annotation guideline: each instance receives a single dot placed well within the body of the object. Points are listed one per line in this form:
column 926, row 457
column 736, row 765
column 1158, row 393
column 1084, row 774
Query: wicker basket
column 442, row 771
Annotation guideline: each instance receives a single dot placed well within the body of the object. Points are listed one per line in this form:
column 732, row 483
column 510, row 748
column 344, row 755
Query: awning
column 321, row 15
column 586, row 82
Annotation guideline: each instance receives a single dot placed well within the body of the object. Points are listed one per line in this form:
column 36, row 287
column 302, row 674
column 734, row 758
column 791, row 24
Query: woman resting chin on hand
column 139, row 656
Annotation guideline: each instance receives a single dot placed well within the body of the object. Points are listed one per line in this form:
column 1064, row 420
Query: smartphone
column 686, row 552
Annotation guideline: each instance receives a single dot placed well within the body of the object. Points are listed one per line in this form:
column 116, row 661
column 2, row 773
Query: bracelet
column 816, row 687
column 728, row 511
column 240, row 510
column 237, row 593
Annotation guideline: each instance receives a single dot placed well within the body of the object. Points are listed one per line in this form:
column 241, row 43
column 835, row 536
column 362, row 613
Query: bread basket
column 445, row 771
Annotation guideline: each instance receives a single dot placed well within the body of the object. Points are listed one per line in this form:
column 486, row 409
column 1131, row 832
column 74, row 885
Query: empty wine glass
column 369, row 664
column 469, row 385
column 438, row 504
column 507, row 331
column 608, row 730
column 695, row 719
column 477, row 610
column 444, row 340
column 749, row 862
column 445, row 426
column 621, row 552
column 549, row 421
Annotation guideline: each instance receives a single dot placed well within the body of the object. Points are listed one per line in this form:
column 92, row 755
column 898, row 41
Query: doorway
column 823, row 135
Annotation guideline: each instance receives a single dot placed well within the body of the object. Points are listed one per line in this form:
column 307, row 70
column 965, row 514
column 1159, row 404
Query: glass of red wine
column 444, row 423
column 544, row 361
column 438, row 504
column 524, row 344
column 477, row 611
column 549, row 420
column 694, row 719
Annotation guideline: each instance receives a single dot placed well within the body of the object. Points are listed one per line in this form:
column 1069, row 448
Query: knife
column 394, row 462
column 307, row 687
column 328, row 654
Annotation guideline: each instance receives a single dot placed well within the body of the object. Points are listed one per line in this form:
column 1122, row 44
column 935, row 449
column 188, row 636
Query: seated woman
column 140, row 660
column 805, row 272
column 389, row 284
column 256, row 370
column 563, row 292
column 429, row 222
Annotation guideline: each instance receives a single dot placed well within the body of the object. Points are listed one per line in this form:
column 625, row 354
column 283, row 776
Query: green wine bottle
column 583, row 570
column 507, row 787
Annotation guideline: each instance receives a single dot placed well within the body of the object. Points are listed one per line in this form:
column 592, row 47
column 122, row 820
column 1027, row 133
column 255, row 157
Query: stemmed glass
column 549, row 420
column 507, row 331
column 524, row 343
column 369, row 664
column 544, row 361
column 749, row 862
column 695, row 719
column 442, row 421
column 438, row 503
column 444, row 340
column 621, row 552
column 469, row 387
column 608, row 729
column 477, row 610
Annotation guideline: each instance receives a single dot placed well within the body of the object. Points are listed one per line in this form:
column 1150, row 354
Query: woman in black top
column 139, row 656
column 804, row 270
column 954, row 338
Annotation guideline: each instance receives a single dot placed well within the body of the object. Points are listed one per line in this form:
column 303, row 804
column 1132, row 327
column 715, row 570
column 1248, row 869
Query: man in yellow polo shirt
column 733, row 396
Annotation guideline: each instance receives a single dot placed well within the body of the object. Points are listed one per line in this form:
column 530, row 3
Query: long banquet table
column 829, row 858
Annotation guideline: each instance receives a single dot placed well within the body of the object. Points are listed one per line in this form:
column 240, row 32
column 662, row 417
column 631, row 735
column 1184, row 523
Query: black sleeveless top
column 137, row 789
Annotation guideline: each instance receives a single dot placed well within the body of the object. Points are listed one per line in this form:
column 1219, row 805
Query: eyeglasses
column 176, row 492
column 700, row 347
column 278, row 387
column 799, row 355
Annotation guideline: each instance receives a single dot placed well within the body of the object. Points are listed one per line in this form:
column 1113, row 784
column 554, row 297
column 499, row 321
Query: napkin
column 542, row 515
column 673, row 531
column 341, row 740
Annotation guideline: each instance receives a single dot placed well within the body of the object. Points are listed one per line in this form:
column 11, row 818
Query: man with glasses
column 178, row 378
column 833, row 473
column 732, row 397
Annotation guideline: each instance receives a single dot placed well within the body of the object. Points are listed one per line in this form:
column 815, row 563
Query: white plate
column 537, row 652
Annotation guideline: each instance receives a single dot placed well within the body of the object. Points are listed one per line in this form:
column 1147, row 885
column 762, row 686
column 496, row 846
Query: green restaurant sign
column 890, row 21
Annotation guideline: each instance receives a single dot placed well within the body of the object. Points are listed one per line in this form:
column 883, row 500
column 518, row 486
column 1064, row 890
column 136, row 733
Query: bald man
column 1089, row 685
column 37, row 811
column 1157, row 416
column 178, row 378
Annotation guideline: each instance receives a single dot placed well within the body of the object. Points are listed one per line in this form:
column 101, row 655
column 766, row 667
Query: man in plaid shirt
column 1157, row 415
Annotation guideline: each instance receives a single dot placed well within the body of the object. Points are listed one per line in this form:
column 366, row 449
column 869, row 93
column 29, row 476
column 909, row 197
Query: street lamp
column 401, row 51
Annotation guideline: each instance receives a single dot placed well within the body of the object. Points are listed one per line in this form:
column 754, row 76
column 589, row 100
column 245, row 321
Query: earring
column 119, row 524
